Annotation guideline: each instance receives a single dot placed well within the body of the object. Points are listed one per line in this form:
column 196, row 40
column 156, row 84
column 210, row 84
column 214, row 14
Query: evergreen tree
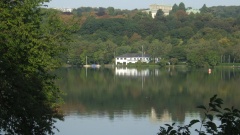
column 160, row 16
column 204, row 9
column 182, row 6
column 174, row 9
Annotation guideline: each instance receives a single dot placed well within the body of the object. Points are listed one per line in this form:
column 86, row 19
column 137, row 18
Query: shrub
column 229, row 119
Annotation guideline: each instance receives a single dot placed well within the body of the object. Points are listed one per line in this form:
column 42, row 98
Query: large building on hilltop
column 155, row 7
column 64, row 9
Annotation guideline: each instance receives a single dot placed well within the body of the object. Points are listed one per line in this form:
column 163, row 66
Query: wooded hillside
column 203, row 39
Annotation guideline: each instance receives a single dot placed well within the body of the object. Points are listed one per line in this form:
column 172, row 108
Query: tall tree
column 29, row 49
column 160, row 16
column 204, row 9
column 182, row 6
column 101, row 11
column 174, row 9
column 110, row 10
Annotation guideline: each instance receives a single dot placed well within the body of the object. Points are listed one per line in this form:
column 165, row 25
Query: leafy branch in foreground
column 229, row 121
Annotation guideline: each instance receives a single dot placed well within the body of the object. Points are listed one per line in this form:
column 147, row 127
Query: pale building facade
column 155, row 7
column 64, row 9
column 194, row 11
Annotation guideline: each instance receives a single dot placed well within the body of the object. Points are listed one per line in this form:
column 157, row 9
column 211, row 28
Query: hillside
column 203, row 39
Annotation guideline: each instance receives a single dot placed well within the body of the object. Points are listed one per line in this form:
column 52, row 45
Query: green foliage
column 182, row 6
column 173, row 61
column 160, row 16
column 128, row 29
column 225, row 11
column 184, row 33
column 204, row 9
column 229, row 119
column 179, row 53
column 163, row 63
column 114, row 26
column 203, row 59
column 31, row 41
column 110, row 10
column 204, row 54
column 174, row 9
column 196, row 59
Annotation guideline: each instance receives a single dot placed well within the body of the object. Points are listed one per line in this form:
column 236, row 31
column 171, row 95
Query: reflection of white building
column 132, row 58
column 131, row 72
column 165, row 117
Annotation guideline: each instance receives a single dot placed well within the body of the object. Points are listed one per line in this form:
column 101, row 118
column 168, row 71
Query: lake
column 131, row 101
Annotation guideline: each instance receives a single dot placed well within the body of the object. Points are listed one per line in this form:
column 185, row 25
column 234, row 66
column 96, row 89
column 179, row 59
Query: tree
column 101, row 11
column 77, row 12
column 182, row 33
column 204, row 9
column 174, row 9
column 182, row 6
column 122, row 50
column 181, row 15
column 178, row 52
column 158, row 49
column 111, row 10
column 204, row 53
column 139, row 16
column 135, row 37
column 30, row 43
column 160, row 16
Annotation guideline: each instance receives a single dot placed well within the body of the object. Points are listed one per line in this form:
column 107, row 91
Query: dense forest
column 205, row 39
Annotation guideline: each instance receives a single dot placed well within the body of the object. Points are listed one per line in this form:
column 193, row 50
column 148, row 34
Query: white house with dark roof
column 132, row 58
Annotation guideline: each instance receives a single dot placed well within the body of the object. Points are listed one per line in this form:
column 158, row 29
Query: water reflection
column 164, row 118
column 124, row 71
column 158, row 95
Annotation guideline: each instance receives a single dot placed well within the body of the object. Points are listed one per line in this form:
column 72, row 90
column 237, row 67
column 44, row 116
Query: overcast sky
column 139, row 4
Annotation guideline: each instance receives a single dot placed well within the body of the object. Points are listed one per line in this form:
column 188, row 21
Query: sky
column 139, row 4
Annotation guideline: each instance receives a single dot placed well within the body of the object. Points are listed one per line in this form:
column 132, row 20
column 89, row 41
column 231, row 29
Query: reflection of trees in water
column 26, row 107
column 175, row 90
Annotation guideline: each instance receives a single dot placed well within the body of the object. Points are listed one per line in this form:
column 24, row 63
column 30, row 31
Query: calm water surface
column 129, row 101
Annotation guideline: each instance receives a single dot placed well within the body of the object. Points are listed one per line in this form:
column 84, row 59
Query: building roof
column 127, row 55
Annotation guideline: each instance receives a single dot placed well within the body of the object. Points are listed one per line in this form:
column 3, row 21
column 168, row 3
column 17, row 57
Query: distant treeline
column 204, row 39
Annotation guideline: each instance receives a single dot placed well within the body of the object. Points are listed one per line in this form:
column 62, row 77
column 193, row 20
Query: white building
column 132, row 58
column 64, row 9
column 194, row 11
column 154, row 8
